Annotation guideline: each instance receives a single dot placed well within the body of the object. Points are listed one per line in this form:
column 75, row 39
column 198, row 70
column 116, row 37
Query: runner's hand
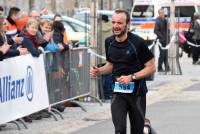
column 124, row 79
column 94, row 71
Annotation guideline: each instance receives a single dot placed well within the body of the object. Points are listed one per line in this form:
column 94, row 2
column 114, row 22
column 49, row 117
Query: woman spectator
column 58, row 17
column 58, row 34
column 46, row 33
column 31, row 39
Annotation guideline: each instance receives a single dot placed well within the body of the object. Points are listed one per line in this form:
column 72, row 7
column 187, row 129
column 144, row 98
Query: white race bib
column 124, row 88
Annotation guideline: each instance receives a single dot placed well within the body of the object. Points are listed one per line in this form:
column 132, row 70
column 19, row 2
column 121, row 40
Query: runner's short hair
column 118, row 11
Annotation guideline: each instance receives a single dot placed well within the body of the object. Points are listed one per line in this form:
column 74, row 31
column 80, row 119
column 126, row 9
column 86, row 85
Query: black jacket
column 11, row 52
column 162, row 31
column 1, row 56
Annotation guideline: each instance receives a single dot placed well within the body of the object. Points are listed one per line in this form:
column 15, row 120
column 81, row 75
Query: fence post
column 93, row 46
column 175, row 68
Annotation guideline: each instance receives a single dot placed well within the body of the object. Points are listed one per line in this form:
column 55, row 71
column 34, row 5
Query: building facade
column 66, row 7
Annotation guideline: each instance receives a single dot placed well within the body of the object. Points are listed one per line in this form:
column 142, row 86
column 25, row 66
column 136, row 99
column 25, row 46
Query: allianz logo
column 12, row 89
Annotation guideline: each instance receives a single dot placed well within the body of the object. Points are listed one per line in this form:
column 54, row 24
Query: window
column 184, row 11
column 167, row 11
column 68, row 28
column 143, row 11
column 198, row 7
column 78, row 28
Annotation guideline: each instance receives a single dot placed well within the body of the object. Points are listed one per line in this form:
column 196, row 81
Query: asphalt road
column 178, row 113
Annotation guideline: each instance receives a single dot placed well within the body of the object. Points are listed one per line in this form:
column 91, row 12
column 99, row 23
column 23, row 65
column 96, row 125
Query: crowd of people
column 21, row 33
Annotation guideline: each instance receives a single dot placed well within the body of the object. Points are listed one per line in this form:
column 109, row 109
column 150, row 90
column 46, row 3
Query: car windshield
column 84, row 17
column 184, row 11
column 198, row 9
column 141, row 11
column 78, row 28
column 68, row 28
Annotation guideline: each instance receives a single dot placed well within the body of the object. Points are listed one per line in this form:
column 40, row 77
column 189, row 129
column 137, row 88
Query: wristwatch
column 133, row 77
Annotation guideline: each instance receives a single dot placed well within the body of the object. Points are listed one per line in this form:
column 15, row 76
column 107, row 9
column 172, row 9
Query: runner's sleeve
column 144, row 53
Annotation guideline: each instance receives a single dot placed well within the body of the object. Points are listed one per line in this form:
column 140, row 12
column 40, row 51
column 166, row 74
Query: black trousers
column 196, row 51
column 163, row 58
column 134, row 106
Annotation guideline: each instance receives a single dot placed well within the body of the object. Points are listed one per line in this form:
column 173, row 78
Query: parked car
column 77, row 31
column 84, row 15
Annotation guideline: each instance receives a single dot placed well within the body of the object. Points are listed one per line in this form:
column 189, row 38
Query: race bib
column 124, row 88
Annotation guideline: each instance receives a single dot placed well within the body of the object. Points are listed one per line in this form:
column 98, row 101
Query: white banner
column 23, row 88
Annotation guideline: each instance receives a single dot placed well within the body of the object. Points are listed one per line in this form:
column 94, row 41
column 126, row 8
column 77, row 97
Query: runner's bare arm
column 106, row 69
column 149, row 68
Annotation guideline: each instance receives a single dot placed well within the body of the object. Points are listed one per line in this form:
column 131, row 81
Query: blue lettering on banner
column 10, row 89
column 29, row 83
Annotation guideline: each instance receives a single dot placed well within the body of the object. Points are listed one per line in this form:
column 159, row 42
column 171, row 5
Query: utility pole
column 31, row 4
column 109, row 5
column 175, row 68
column 5, row 5
column 53, row 6
column 101, row 4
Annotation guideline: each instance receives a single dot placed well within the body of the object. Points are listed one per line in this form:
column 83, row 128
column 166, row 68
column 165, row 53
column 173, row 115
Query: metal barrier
column 67, row 75
column 79, row 72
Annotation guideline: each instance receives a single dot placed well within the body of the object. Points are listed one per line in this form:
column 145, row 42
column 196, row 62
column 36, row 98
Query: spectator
column 188, row 35
column 12, row 31
column 106, row 80
column 58, row 17
column 196, row 38
column 30, row 38
column 58, row 35
column 106, row 31
column 162, row 32
column 3, row 41
column 45, row 31
column 1, row 11
column 34, row 14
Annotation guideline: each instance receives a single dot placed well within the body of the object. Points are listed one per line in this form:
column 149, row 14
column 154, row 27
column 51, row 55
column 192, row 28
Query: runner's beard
column 121, row 33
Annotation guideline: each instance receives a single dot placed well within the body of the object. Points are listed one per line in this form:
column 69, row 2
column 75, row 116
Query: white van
column 84, row 16
column 145, row 12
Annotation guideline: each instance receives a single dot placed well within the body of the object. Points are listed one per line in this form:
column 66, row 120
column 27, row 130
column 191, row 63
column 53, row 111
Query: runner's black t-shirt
column 127, row 57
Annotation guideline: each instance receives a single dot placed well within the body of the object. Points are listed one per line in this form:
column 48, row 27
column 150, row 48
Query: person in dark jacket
column 58, row 17
column 162, row 32
column 196, row 38
column 3, row 50
column 58, row 34
column 12, row 31
column 30, row 38
column 4, row 41
column 1, row 11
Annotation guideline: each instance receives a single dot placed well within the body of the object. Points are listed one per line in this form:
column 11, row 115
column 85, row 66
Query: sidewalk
column 75, row 118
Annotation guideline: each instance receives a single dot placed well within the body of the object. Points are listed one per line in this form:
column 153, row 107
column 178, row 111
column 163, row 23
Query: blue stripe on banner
column 154, row 19
column 143, row 19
